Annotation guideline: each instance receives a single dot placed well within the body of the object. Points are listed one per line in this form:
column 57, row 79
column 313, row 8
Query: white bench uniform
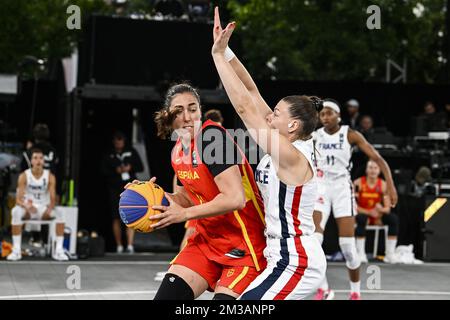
column 37, row 191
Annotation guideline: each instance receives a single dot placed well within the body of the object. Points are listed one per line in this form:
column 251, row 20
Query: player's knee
column 17, row 214
column 174, row 287
column 223, row 296
column 348, row 248
column 361, row 222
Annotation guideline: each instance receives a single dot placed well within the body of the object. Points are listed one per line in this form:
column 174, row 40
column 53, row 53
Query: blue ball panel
column 132, row 198
column 165, row 202
column 130, row 215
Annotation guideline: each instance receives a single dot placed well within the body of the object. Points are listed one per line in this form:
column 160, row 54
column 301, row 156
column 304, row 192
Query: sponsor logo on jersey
column 320, row 173
column 194, row 159
column 236, row 253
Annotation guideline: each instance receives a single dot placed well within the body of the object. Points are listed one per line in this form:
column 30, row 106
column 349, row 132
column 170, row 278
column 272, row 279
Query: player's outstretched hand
column 221, row 37
column 217, row 25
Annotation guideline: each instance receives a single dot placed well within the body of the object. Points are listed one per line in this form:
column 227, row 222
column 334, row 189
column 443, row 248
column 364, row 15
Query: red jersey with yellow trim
column 368, row 197
column 234, row 238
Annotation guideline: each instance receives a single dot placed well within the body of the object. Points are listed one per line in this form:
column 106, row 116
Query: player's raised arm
column 240, row 70
column 284, row 154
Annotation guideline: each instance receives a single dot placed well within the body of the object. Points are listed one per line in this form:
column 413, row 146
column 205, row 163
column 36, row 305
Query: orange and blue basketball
column 135, row 205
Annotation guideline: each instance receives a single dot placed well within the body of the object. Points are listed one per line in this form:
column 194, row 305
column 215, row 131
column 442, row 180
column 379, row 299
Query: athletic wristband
column 229, row 54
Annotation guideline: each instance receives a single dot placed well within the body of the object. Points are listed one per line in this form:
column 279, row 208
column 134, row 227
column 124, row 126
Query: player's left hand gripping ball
column 135, row 205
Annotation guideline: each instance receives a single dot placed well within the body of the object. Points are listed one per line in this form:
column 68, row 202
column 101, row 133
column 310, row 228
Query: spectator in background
column 40, row 140
column 366, row 126
column 434, row 120
column 421, row 184
column 353, row 115
column 119, row 167
column 429, row 108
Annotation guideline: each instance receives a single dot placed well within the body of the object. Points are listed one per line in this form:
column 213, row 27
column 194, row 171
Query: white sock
column 17, row 243
column 319, row 237
column 361, row 246
column 324, row 284
column 355, row 286
column 59, row 242
column 390, row 246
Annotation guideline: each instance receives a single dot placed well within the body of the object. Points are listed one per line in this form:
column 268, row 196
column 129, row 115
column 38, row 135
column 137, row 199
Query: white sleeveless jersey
column 288, row 209
column 333, row 153
column 37, row 189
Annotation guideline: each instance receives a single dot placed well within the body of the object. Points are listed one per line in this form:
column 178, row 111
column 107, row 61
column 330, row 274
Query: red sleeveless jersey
column 234, row 238
column 368, row 197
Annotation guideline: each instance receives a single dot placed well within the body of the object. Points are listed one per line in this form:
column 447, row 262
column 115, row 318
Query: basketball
column 135, row 205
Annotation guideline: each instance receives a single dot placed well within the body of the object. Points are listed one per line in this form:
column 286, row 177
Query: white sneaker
column 14, row 256
column 59, row 255
column 390, row 258
column 119, row 249
column 363, row 258
column 130, row 249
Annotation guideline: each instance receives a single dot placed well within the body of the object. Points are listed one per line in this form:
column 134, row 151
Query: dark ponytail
column 306, row 109
column 318, row 103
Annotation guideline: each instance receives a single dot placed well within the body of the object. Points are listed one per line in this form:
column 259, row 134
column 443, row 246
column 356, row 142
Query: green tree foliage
column 38, row 28
column 329, row 39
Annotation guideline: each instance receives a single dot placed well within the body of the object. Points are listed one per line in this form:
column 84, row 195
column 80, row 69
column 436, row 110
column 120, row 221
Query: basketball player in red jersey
column 374, row 208
column 216, row 116
column 220, row 196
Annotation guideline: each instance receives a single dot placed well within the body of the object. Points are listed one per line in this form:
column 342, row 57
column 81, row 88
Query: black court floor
column 123, row 277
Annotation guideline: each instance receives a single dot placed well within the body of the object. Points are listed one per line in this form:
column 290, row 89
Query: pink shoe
column 319, row 294
column 324, row 294
column 355, row 296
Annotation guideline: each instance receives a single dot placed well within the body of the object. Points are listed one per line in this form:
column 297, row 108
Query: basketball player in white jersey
column 296, row 262
column 334, row 148
column 35, row 199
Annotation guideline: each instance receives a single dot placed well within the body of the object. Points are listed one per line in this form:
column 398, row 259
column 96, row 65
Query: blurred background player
column 334, row 144
column 374, row 208
column 35, row 199
column 119, row 167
